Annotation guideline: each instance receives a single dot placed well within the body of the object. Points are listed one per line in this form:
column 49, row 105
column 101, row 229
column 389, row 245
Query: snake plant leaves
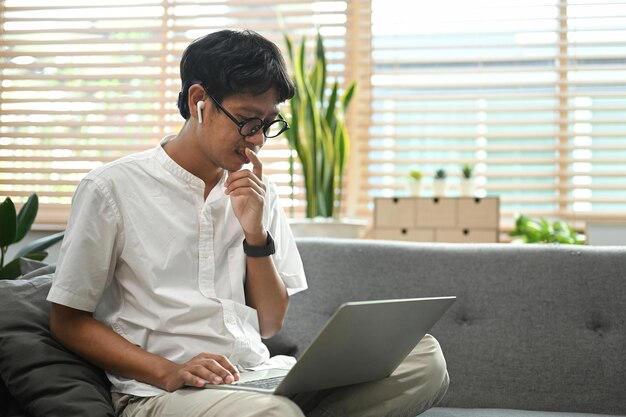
column 318, row 134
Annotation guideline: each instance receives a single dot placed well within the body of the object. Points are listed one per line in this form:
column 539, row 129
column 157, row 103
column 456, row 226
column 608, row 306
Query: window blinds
column 532, row 93
column 84, row 83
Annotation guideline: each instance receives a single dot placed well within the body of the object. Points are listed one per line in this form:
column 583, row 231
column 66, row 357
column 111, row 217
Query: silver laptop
column 363, row 341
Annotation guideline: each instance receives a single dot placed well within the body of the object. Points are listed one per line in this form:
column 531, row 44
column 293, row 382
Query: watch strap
column 260, row 251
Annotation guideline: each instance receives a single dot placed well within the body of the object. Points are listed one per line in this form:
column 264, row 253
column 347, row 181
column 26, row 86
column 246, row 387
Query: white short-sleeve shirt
column 162, row 266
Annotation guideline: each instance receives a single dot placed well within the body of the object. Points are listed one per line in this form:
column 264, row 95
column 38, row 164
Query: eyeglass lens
column 274, row 128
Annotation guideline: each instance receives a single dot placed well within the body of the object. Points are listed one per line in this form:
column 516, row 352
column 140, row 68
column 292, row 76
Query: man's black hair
column 230, row 62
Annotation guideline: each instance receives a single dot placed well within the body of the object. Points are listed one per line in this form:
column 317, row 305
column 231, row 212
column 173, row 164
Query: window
column 532, row 93
column 98, row 80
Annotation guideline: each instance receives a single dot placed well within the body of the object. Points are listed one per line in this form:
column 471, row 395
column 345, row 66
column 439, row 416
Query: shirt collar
column 171, row 166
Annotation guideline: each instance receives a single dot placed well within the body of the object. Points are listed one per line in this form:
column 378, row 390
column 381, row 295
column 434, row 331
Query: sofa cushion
column 31, row 267
column 43, row 377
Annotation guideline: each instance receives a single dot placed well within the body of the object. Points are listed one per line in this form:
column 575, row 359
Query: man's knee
column 434, row 368
column 277, row 406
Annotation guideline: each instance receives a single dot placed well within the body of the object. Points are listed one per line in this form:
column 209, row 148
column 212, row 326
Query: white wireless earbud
column 200, row 106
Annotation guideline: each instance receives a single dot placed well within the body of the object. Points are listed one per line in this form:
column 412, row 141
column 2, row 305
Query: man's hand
column 247, row 195
column 265, row 290
column 99, row 344
column 202, row 369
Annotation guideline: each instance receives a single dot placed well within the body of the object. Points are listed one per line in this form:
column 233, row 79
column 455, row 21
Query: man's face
column 221, row 141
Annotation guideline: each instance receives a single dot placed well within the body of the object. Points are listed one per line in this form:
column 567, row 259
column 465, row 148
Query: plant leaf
column 346, row 98
column 541, row 230
column 321, row 59
column 8, row 222
column 36, row 256
column 39, row 245
column 26, row 217
column 11, row 270
column 289, row 44
column 332, row 103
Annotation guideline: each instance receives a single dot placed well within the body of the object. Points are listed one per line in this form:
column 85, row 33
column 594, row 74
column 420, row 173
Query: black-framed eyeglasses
column 251, row 126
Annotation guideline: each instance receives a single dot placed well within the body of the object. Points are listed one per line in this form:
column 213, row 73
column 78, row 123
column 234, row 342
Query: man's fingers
column 208, row 372
column 244, row 179
column 193, row 380
column 257, row 166
column 216, row 369
column 224, row 363
column 241, row 187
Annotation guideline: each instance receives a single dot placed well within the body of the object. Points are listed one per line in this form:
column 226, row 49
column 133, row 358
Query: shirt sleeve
column 90, row 248
column 287, row 258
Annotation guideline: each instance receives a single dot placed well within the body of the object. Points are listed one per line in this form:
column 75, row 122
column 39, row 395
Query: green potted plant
column 13, row 227
column 415, row 182
column 440, row 183
column 318, row 134
column 466, row 183
column 540, row 230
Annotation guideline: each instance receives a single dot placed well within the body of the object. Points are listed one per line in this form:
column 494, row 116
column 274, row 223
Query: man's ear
column 195, row 101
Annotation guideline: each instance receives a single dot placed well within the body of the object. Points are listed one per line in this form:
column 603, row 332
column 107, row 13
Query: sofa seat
column 499, row 412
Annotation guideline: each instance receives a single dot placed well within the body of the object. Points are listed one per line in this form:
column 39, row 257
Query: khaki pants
column 419, row 383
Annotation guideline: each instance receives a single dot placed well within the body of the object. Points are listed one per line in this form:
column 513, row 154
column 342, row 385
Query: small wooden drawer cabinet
column 443, row 219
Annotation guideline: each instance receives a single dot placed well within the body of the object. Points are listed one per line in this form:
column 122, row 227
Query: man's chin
column 234, row 166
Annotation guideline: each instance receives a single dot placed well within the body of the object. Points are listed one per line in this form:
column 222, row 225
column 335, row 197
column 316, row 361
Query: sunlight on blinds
column 98, row 80
column 532, row 93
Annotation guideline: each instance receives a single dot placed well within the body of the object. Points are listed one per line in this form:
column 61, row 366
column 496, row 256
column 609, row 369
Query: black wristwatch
column 260, row 251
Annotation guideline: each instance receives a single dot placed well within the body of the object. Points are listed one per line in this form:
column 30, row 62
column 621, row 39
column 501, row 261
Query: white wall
column 606, row 233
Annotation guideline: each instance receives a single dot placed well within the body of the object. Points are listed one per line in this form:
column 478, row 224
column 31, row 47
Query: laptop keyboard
column 267, row 383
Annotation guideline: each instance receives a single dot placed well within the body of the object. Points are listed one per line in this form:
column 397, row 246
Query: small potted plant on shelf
column 415, row 182
column 466, row 184
column 439, row 183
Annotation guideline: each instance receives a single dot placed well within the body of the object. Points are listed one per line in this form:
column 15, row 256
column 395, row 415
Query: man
column 177, row 262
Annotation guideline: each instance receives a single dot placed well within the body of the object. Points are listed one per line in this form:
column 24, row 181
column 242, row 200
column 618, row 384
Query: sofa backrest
column 536, row 327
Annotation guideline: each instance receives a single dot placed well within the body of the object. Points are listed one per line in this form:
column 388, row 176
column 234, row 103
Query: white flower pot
column 466, row 187
column 414, row 188
column 328, row 227
column 439, row 188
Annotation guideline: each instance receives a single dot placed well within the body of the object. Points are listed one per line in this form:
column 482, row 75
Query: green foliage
column 540, row 230
column 441, row 174
column 415, row 174
column 467, row 170
column 318, row 133
column 13, row 227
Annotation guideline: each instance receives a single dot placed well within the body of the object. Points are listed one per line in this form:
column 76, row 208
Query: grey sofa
column 534, row 327
column 536, row 331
